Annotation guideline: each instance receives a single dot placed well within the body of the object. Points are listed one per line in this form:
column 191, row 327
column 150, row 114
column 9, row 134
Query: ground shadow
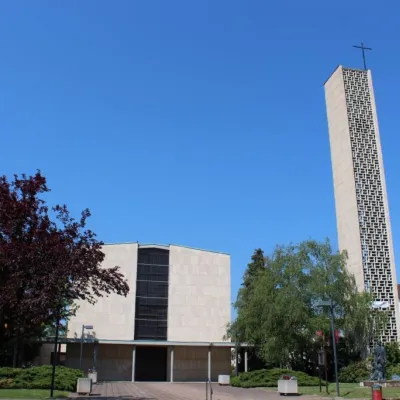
column 98, row 397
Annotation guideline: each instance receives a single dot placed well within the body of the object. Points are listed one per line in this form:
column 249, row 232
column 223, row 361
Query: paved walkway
column 173, row 391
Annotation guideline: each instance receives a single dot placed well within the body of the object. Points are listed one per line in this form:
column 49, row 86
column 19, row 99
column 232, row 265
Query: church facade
column 171, row 325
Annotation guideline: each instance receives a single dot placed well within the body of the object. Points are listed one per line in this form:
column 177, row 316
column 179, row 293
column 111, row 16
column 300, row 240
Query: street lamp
column 83, row 331
column 329, row 303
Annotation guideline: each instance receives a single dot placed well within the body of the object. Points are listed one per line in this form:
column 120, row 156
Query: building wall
column 360, row 191
column 112, row 317
column 391, row 274
column 113, row 361
column 343, row 177
column 199, row 299
column 44, row 357
column 191, row 363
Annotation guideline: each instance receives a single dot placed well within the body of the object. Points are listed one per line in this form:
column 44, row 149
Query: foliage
column 269, row 378
column 392, row 353
column 253, row 268
column 277, row 307
column 355, row 372
column 47, row 260
column 39, row 378
column 391, row 370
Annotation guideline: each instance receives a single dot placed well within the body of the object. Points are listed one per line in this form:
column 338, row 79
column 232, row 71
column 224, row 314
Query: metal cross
column 363, row 52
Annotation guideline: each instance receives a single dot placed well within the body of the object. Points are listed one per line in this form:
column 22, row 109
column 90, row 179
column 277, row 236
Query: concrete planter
column 93, row 376
column 288, row 386
column 84, row 386
column 224, row 380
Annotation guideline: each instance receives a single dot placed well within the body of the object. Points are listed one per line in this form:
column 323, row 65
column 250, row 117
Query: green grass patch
column 30, row 394
column 347, row 390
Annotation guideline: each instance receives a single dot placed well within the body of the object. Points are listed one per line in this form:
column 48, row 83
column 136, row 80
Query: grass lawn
column 350, row 390
column 29, row 393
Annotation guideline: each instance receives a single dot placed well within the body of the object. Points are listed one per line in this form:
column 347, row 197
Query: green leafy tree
column 392, row 354
column 278, row 310
column 256, row 266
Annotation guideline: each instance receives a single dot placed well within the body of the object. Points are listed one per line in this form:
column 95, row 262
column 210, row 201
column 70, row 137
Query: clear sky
column 193, row 122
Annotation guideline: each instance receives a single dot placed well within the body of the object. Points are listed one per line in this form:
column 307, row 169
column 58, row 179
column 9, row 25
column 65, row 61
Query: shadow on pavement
column 98, row 397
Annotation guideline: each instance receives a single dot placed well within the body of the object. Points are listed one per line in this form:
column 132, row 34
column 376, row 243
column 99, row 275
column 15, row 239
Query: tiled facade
column 360, row 192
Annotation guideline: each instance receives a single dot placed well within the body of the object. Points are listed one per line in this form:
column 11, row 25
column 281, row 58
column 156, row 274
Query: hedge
column 39, row 378
column 355, row 372
column 269, row 378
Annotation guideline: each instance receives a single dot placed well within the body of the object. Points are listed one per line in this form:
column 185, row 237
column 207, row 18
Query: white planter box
column 93, row 376
column 288, row 387
column 84, row 386
column 224, row 379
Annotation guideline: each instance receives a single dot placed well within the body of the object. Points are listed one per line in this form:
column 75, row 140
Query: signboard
column 321, row 358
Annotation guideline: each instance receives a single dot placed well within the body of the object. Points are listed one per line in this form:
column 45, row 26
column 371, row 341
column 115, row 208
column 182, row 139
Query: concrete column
column 95, row 347
column 172, row 363
column 133, row 363
column 245, row 360
column 209, row 363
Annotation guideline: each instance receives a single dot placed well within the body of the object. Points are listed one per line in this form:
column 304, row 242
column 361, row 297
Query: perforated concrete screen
column 360, row 191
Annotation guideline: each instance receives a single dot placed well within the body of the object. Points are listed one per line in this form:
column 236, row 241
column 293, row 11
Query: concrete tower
column 362, row 210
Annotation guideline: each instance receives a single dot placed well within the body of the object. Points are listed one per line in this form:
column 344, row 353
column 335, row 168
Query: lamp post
column 53, row 370
column 83, row 331
column 329, row 303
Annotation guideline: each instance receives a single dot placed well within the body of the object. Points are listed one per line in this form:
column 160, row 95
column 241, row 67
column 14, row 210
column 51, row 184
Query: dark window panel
column 150, row 329
column 147, row 272
column 153, row 256
column 151, row 289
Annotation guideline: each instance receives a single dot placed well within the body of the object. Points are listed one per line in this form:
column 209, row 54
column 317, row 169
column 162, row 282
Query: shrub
column 269, row 378
column 355, row 372
column 9, row 372
column 392, row 370
column 392, row 353
column 39, row 378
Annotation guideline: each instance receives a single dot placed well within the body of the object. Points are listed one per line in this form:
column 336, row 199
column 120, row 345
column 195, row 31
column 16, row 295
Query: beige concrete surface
column 191, row 363
column 199, row 303
column 114, row 361
column 112, row 317
column 348, row 228
column 362, row 209
column 385, row 201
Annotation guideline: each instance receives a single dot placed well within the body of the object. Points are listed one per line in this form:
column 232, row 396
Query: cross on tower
column 363, row 52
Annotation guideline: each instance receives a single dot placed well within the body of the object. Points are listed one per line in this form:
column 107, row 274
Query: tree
column 278, row 312
column 256, row 265
column 48, row 260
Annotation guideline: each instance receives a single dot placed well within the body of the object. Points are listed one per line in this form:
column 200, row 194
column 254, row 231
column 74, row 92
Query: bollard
column 376, row 392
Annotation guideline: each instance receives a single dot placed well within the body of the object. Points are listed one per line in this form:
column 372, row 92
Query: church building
column 170, row 327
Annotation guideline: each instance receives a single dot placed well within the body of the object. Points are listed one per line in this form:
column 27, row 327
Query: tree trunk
column 15, row 354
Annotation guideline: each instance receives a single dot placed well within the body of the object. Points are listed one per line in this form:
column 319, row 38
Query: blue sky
column 199, row 123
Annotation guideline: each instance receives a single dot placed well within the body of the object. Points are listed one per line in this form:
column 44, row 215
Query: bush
column 392, row 353
column 39, row 378
column 9, row 372
column 392, row 370
column 355, row 372
column 269, row 378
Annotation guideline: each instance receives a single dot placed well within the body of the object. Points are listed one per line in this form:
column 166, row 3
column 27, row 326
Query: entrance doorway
column 151, row 364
